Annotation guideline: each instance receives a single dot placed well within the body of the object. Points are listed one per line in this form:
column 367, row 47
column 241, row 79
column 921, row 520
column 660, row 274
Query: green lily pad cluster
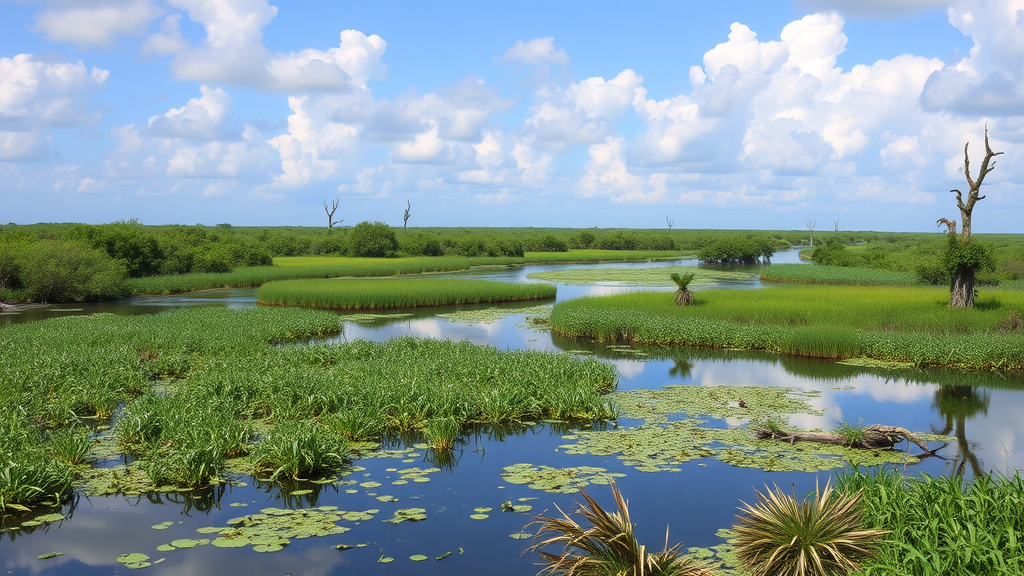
column 408, row 515
column 749, row 402
column 557, row 480
column 660, row 445
column 274, row 528
column 135, row 560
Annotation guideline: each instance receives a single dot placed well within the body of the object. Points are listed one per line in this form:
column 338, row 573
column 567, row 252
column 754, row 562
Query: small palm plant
column 608, row 547
column 683, row 296
column 821, row 536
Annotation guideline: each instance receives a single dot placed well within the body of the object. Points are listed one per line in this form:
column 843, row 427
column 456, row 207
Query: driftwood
column 875, row 437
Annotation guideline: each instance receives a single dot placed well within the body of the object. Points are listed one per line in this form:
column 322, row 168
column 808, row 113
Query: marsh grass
column 941, row 525
column 851, row 434
column 69, row 445
column 200, row 384
column 901, row 324
column 604, row 544
column 823, row 535
column 383, row 293
column 299, row 450
column 841, row 275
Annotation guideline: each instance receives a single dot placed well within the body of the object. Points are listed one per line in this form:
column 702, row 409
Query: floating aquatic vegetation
column 49, row 555
column 365, row 318
column 479, row 516
column 274, row 528
column 163, row 525
column 520, row 535
column 443, row 556
column 385, row 560
column 408, row 514
column 557, row 480
column 750, row 402
column 134, row 560
column 873, row 363
column 482, row 509
column 417, row 557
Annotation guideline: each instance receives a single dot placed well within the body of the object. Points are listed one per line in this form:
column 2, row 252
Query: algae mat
column 659, row 444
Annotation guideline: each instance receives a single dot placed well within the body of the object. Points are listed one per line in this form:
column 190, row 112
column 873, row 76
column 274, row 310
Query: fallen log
column 874, row 437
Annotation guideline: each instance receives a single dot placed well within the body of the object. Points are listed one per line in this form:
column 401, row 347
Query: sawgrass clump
column 382, row 293
column 899, row 324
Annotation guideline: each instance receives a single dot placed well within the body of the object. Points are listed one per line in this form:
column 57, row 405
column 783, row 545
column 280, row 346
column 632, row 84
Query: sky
column 756, row 114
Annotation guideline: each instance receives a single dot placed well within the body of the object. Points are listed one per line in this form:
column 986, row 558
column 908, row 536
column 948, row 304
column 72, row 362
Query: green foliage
column 833, row 253
column 57, row 271
column 549, row 243
column 970, row 255
column 852, row 435
column 299, row 450
column 683, row 282
column 824, row 535
column 225, row 381
column 381, row 293
column 605, row 545
column 373, row 240
column 69, row 445
column 943, row 525
column 906, row 324
column 823, row 274
column 125, row 241
column 745, row 250
column 29, row 476
column 442, row 432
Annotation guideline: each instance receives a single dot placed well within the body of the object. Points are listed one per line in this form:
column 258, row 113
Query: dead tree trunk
column 670, row 222
column 330, row 213
column 875, row 437
column 961, row 286
column 405, row 217
column 810, row 226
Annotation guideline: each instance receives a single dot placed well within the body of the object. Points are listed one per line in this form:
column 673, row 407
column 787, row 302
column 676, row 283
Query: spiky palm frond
column 683, row 282
column 821, row 536
column 607, row 548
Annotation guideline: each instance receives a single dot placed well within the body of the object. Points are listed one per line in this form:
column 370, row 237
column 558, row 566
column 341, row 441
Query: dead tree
column 961, row 286
column 874, row 437
column 810, row 226
column 330, row 214
column 835, row 223
column 405, row 217
column 669, row 222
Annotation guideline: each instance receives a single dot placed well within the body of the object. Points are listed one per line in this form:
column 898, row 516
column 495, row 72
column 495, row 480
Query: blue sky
column 717, row 115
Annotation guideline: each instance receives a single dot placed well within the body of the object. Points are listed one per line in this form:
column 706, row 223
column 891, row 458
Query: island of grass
column 199, row 390
column 384, row 293
column 842, row 275
column 655, row 276
column 891, row 324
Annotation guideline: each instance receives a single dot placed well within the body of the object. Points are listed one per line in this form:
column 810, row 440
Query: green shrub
column 373, row 240
column 550, row 243
column 57, row 271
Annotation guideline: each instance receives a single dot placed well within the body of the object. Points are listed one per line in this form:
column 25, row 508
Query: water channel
column 980, row 411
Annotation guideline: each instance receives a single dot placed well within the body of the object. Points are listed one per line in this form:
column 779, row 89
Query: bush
column 958, row 254
column 549, row 243
column 584, row 239
column 373, row 240
column 57, row 271
column 833, row 253
column 738, row 250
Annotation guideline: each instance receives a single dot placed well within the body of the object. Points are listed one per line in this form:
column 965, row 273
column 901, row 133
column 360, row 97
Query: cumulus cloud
column 97, row 23
column 537, row 51
column 36, row 96
column 200, row 119
column 233, row 52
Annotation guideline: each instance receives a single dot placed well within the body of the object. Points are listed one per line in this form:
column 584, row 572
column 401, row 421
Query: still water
column 979, row 411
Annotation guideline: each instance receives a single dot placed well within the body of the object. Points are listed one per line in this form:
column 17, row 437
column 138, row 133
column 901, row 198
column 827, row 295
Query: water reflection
column 956, row 404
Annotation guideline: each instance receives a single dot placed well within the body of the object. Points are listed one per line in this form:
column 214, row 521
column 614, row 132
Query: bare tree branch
column 405, row 217
column 669, row 222
column 331, row 223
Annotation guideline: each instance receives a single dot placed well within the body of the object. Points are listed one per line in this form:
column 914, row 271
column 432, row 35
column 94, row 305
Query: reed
column 382, row 293
column 840, row 275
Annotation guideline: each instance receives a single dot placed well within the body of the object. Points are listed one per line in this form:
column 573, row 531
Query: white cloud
column 537, row 51
column 168, row 40
column 200, row 119
column 36, row 96
column 370, row 182
column 608, row 175
column 233, row 52
column 97, row 23
column 535, row 169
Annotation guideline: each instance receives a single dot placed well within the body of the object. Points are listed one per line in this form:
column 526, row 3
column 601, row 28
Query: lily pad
column 417, row 557
column 49, row 555
column 479, row 516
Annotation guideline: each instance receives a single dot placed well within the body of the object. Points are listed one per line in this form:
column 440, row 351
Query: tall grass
column 259, row 275
column 942, row 525
column 905, row 324
column 228, row 384
column 848, row 275
column 379, row 293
